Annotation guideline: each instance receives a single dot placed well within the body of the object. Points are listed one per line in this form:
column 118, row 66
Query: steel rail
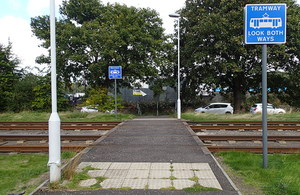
column 98, row 125
column 286, row 150
column 63, row 123
column 249, row 123
column 35, row 149
column 45, row 137
column 243, row 127
column 249, row 137
column 213, row 149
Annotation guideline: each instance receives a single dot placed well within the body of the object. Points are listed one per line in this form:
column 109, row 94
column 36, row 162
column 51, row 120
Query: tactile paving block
column 118, row 165
column 135, row 174
column 112, row 183
column 179, row 184
column 205, row 174
column 87, row 182
column 135, row 183
column 159, row 183
column 101, row 165
column 185, row 166
column 160, row 166
column 96, row 173
column 212, row 183
column 200, row 166
column 159, row 174
column 115, row 173
column 143, row 166
column 183, row 174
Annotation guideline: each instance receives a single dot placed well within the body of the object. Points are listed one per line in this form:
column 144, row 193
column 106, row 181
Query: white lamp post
column 178, row 100
column 54, row 121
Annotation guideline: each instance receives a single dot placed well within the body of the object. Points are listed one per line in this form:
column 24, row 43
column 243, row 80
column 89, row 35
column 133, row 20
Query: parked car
column 271, row 109
column 218, row 108
column 89, row 109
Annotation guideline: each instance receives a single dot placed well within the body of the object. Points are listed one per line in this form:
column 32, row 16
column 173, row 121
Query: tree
column 91, row 37
column 42, row 95
column 22, row 94
column 99, row 97
column 213, row 51
column 8, row 75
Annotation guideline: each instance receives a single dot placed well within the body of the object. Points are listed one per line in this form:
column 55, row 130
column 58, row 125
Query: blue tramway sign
column 115, row 72
column 265, row 23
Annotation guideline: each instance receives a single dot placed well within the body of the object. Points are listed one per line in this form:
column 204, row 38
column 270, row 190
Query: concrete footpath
column 151, row 155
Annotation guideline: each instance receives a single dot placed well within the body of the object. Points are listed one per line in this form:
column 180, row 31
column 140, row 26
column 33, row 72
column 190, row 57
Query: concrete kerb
column 206, row 151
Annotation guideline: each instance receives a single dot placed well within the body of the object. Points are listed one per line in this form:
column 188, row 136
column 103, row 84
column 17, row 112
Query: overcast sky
column 15, row 22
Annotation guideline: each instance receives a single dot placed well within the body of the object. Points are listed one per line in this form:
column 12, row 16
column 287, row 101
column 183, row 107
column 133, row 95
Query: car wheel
column 228, row 113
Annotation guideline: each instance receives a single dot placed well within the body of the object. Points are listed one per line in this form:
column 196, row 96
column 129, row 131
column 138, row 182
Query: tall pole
column 264, row 102
column 54, row 120
column 178, row 88
column 116, row 99
column 178, row 101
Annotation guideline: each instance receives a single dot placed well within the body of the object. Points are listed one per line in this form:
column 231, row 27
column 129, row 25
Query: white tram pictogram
column 265, row 22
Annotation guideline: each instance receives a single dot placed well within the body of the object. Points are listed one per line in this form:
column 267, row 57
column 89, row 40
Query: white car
column 89, row 109
column 271, row 109
column 218, row 108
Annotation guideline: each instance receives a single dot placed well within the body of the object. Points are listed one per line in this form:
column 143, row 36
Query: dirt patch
column 243, row 187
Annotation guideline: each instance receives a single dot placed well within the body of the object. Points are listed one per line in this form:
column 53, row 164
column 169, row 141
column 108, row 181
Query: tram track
column 216, row 135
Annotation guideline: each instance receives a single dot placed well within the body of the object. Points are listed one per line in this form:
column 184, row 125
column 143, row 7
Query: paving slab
column 183, row 174
column 135, row 183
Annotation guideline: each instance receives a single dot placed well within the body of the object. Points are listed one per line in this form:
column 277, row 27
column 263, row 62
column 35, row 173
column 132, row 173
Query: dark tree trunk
column 237, row 95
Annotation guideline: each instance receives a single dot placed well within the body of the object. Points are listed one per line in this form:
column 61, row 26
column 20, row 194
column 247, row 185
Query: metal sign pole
column 264, row 102
column 265, row 24
column 115, row 72
column 116, row 98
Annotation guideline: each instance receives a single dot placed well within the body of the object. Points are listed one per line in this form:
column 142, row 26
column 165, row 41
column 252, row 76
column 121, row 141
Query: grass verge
column 239, row 117
column 64, row 116
column 21, row 172
column 281, row 176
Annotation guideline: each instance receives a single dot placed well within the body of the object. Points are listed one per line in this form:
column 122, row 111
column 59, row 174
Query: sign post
column 115, row 72
column 265, row 24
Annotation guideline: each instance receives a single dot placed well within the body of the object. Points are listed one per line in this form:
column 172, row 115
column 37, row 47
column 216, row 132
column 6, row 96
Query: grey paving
column 149, row 155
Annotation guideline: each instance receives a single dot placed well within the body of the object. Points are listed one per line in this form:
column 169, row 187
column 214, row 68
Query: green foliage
column 287, row 90
column 99, row 97
column 42, row 96
column 23, row 94
column 108, row 35
column 9, row 75
column 213, row 51
column 281, row 176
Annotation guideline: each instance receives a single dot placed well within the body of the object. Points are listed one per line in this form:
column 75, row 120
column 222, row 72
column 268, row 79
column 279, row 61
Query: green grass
column 17, row 170
column 76, row 178
column 239, row 117
column 78, row 116
column 281, row 176
column 64, row 116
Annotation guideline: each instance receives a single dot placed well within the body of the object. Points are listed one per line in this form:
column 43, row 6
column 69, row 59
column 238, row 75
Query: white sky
column 15, row 22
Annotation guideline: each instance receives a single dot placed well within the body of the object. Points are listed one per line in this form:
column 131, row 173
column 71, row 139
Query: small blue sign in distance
column 115, row 72
column 265, row 23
